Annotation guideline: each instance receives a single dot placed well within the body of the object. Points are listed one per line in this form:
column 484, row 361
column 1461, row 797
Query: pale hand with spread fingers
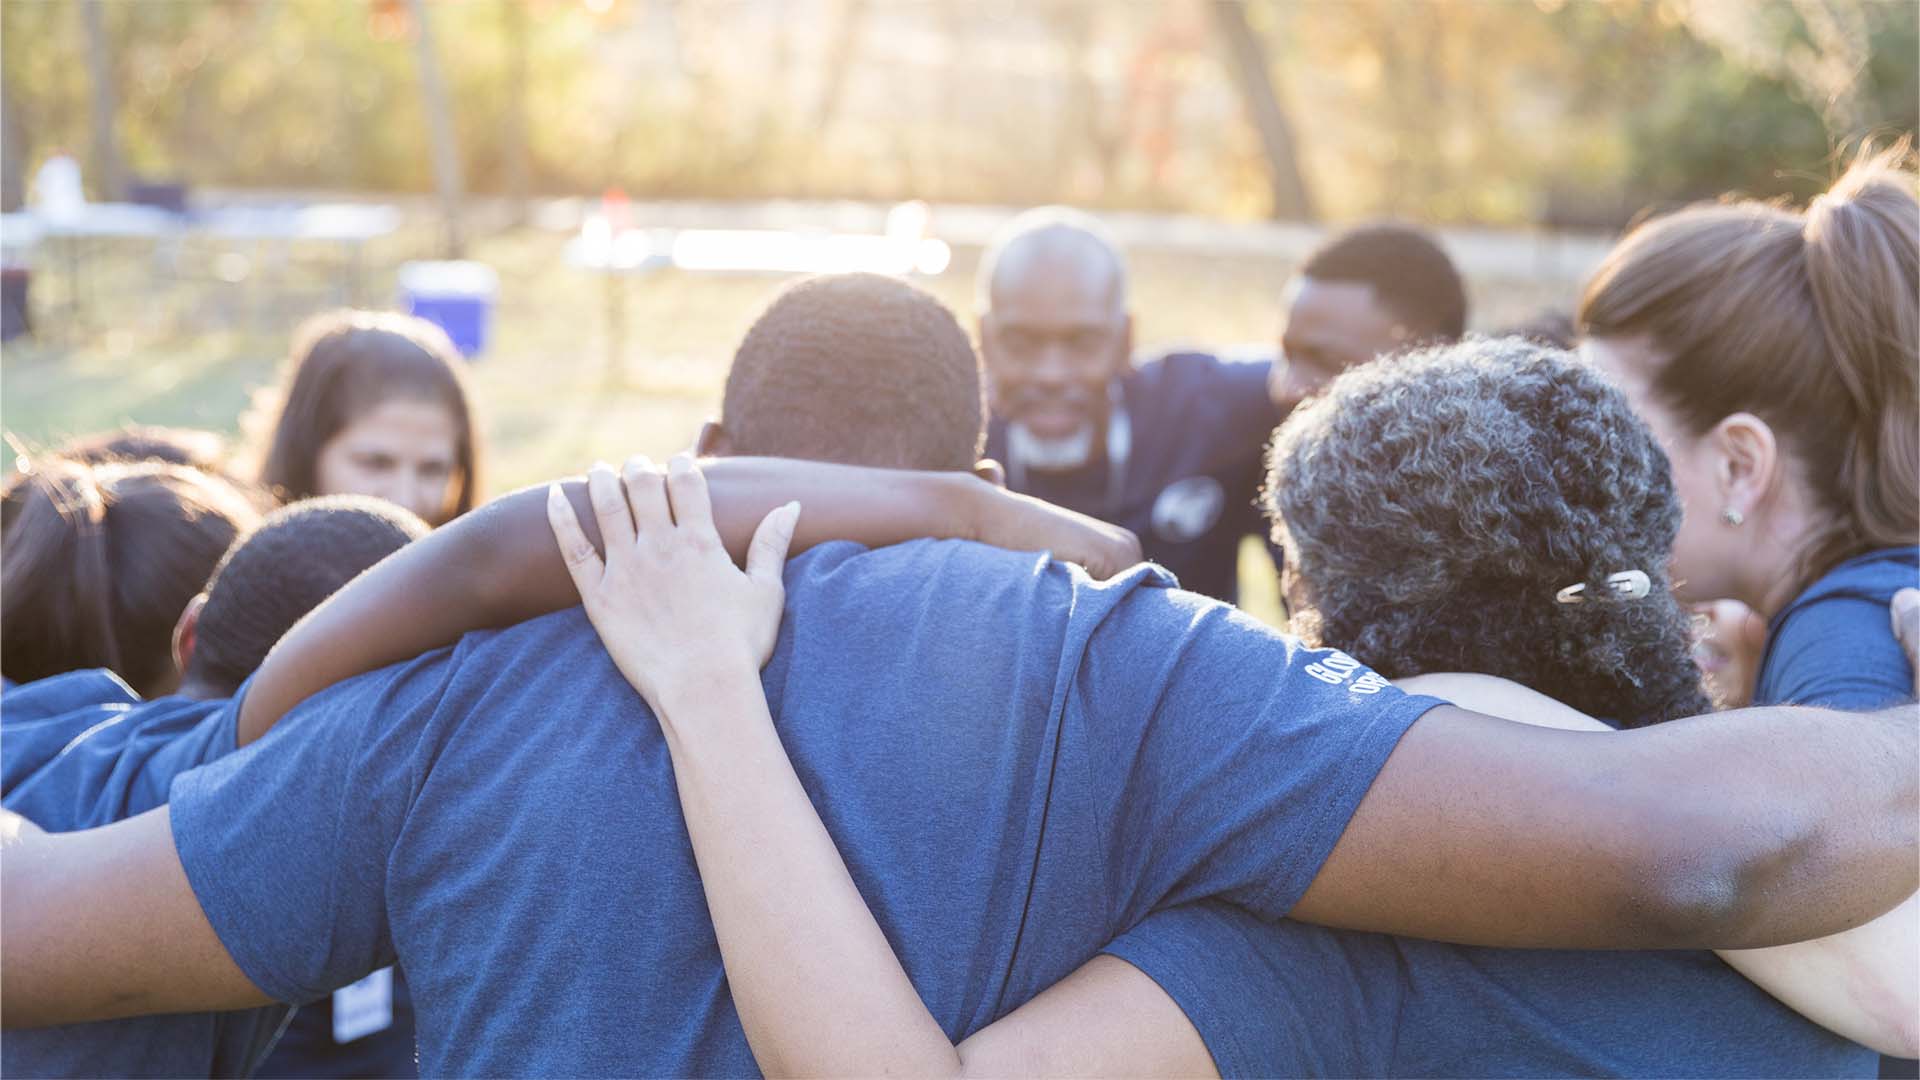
column 1906, row 627
column 674, row 611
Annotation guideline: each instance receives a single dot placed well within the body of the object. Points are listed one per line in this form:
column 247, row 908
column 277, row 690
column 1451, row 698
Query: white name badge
column 362, row 1008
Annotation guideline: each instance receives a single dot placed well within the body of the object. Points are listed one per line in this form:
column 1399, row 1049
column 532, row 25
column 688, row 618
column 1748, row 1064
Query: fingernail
column 679, row 464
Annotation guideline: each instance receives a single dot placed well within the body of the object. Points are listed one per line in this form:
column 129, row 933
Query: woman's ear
column 186, row 632
column 1747, row 462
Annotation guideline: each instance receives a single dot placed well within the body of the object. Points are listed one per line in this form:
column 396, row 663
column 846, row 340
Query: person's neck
column 1772, row 572
column 195, row 688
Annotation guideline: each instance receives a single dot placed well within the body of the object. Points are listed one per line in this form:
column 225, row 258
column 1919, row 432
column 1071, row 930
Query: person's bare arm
column 1863, row 984
column 1906, row 629
column 1740, row 830
column 102, row 923
column 497, row 566
column 818, row 988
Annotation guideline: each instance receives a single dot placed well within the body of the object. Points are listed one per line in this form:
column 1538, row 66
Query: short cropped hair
column 1407, row 270
column 858, row 369
column 1434, row 507
column 269, row 579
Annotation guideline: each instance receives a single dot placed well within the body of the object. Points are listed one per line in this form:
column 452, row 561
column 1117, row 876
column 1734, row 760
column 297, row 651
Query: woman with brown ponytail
column 1776, row 354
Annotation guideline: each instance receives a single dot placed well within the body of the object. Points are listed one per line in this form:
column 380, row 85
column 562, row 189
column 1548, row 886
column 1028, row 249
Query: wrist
column 977, row 505
column 713, row 685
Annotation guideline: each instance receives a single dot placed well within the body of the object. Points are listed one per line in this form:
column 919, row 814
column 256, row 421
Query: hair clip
column 22, row 456
column 1625, row 585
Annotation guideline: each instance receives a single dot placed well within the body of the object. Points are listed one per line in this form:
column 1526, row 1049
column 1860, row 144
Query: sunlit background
column 637, row 176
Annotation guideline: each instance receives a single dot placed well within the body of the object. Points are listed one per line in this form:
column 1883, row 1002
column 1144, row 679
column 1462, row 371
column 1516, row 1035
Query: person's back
column 517, row 842
column 1291, row 999
column 82, row 749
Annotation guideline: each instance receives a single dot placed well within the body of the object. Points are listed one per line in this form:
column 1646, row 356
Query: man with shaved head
column 1170, row 449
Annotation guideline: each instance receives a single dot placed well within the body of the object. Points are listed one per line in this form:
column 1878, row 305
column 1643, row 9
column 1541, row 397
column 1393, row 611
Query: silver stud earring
column 1732, row 516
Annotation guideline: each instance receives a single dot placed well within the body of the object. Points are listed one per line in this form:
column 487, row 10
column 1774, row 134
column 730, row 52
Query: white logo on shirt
column 1337, row 667
column 1186, row 509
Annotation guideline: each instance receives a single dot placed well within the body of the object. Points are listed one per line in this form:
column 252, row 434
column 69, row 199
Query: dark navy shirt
column 1191, row 480
column 81, row 750
column 1016, row 762
column 362, row 1030
column 1288, row 999
column 1833, row 645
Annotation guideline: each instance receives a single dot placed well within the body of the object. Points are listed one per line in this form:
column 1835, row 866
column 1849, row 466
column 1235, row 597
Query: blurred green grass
column 170, row 338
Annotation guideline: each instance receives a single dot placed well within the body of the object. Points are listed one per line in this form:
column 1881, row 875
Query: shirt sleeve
column 1839, row 652
column 1273, row 998
column 286, row 843
column 1226, row 758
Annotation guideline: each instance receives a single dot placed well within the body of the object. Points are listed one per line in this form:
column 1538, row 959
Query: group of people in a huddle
column 863, row 740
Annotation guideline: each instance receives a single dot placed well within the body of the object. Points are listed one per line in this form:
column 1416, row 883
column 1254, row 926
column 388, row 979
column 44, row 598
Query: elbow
column 1699, row 904
column 1708, row 890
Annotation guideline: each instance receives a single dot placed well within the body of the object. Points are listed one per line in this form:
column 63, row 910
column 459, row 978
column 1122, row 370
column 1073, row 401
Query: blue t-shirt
column 1191, row 481
column 1016, row 762
column 1834, row 644
column 81, row 750
column 1288, row 999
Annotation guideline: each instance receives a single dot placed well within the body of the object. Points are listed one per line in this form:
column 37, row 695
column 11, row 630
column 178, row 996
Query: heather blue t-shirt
column 1288, row 999
column 1834, row 644
column 1016, row 762
column 1191, row 481
column 81, row 750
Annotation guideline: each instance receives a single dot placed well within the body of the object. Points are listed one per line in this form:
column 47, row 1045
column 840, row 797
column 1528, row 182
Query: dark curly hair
column 1434, row 506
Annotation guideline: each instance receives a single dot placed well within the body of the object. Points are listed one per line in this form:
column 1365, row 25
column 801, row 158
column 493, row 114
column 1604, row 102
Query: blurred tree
column 1252, row 73
column 109, row 178
column 446, row 150
column 13, row 185
column 1569, row 111
column 514, row 18
column 844, row 46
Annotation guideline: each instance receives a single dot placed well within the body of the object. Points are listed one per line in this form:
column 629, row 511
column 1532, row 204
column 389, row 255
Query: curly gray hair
column 1434, row 505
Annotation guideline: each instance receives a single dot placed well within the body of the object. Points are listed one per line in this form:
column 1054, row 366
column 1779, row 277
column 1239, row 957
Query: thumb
column 767, row 555
column 583, row 563
column 1906, row 618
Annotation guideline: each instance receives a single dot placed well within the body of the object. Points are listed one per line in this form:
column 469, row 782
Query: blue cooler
column 455, row 296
